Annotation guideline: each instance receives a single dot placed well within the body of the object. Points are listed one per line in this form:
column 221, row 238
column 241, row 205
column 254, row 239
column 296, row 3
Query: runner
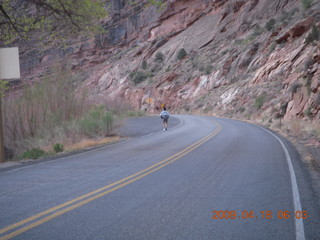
column 165, row 117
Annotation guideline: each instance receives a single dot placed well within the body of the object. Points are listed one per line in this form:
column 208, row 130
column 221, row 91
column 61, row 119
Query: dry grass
column 313, row 129
column 307, row 132
column 41, row 112
column 86, row 143
column 309, row 129
column 295, row 127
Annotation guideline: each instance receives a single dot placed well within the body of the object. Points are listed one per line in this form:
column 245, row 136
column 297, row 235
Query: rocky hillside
column 242, row 58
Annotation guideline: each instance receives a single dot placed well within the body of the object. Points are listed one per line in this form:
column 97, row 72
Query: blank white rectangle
column 9, row 63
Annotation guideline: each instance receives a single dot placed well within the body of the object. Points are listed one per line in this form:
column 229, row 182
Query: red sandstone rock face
column 297, row 105
column 297, row 30
column 231, row 57
column 178, row 17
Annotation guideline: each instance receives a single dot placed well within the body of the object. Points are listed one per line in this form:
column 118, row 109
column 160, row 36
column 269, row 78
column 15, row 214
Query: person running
column 165, row 117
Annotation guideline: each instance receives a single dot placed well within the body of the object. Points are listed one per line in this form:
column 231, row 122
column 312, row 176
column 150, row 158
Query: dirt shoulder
column 310, row 156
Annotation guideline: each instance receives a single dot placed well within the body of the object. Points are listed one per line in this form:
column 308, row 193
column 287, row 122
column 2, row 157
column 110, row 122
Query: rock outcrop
column 244, row 58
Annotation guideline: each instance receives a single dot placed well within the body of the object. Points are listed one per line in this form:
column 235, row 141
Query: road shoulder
column 130, row 128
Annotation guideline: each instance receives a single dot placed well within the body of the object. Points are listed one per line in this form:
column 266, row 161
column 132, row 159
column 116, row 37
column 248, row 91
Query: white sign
column 9, row 63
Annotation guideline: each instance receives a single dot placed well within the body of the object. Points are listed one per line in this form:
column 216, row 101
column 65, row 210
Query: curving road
column 204, row 178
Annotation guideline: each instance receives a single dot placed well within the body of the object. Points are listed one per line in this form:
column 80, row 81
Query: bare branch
column 69, row 15
column 9, row 20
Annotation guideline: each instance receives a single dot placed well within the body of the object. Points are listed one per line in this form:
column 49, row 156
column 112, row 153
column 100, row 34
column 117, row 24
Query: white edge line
column 295, row 192
column 92, row 150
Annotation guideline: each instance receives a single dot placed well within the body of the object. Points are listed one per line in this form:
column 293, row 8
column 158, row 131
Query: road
column 204, row 178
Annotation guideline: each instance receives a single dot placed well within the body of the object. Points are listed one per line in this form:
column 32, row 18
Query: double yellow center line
column 45, row 216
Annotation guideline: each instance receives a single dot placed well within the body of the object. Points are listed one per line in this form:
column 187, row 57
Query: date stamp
column 259, row 215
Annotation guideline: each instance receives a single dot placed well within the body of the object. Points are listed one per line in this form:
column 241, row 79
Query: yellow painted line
column 93, row 192
column 123, row 182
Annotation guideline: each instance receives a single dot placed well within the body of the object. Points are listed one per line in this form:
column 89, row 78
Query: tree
column 52, row 21
column 48, row 19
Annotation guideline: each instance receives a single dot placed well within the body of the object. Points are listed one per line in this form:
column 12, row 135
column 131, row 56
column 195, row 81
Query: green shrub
column 3, row 87
column 132, row 74
column 181, row 54
column 138, row 77
column 33, row 153
column 257, row 31
column 224, row 52
column 308, row 112
column 294, row 87
column 308, row 85
column 144, row 65
column 58, row 147
column 308, row 63
column 306, row 3
column 317, row 100
column 194, row 64
column 272, row 47
column 241, row 109
column 282, row 43
column 294, row 11
column 159, row 57
column 245, row 62
column 285, row 16
column 259, row 102
column 208, row 69
column 283, row 108
column 238, row 41
column 156, row 68
column 314, row 35
column 270, row 24
column 234, row 79
column 97, row 122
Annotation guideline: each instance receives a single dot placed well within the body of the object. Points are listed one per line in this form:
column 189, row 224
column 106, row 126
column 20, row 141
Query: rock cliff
column 249, row 59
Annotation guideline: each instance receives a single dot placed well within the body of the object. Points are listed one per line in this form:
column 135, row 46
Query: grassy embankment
column 55, row 116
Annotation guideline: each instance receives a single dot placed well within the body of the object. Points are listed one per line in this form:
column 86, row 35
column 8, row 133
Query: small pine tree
column 181, row 54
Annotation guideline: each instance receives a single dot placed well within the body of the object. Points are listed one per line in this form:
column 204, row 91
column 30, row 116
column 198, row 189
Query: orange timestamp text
column 259, row 215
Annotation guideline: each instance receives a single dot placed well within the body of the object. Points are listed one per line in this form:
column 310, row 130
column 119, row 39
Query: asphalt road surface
column 204, row 178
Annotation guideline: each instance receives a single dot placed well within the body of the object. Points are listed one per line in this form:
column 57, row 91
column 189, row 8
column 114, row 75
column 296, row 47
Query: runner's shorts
column 165, row 119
